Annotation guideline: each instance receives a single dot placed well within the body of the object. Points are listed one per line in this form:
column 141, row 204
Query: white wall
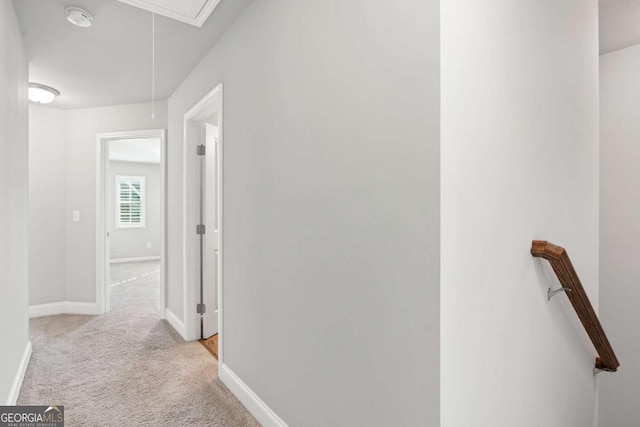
column 82, row 127
column 620, row 232
column 14, row 192
column 519, row 162
column 132, row 242
column 331, row 207
column 78, row 192
column 47, row 214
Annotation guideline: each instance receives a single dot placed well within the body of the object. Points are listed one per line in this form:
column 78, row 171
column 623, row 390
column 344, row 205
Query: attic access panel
column 194, row 12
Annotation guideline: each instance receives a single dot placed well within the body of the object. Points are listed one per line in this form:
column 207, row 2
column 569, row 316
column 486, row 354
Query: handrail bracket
column 551, row 294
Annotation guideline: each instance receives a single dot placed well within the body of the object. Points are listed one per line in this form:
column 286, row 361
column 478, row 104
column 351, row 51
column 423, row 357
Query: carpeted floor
column 127, row 367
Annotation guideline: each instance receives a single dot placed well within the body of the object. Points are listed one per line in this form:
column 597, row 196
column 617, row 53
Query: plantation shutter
column 130, row 201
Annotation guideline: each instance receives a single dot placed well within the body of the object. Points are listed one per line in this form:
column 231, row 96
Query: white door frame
column 211, row 103
column 103, row 289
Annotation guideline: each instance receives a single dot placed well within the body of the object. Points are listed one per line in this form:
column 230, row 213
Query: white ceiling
column 110, row 62
column 135, row 150
column 619, row 24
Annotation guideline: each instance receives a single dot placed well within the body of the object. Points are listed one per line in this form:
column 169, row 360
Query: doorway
column 203, row 251
column 131, row 221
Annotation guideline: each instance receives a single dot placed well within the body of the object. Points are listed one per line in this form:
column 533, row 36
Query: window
column 130, row 201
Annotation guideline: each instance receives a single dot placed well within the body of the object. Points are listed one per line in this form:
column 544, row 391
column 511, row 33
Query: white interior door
column 210, row 291
column 108, row 220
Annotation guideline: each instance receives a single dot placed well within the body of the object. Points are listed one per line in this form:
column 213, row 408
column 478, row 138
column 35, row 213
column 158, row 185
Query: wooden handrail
column 559, row 260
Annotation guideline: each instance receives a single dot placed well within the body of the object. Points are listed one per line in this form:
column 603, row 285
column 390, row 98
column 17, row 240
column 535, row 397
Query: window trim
column 143, row 201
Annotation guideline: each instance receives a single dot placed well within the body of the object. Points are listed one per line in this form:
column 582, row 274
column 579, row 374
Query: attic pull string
column 153, row 65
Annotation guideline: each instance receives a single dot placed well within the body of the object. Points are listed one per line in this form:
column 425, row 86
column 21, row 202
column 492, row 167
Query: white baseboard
column 64, row 307
column 139, row 259
column 17, row 380
column 176, row 323
column 261, row 412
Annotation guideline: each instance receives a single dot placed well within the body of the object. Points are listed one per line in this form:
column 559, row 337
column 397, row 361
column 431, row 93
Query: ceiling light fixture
column 79, row 17
column 41, row 94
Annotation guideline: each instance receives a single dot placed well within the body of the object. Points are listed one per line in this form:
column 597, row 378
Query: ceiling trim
column 198, row 21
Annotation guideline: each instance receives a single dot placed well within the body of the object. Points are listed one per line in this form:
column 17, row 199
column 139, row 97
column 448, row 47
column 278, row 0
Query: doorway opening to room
column 131, row 221
column 203, row 249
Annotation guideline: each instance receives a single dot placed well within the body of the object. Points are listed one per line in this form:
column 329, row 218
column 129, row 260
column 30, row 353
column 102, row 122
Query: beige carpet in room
column 128, row 367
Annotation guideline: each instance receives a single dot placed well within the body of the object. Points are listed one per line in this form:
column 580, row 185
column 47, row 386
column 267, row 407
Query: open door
column 203, row 254
column 211, row 246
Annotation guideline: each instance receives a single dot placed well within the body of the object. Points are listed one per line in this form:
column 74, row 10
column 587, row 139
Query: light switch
column 76, row 216
column 148, row 245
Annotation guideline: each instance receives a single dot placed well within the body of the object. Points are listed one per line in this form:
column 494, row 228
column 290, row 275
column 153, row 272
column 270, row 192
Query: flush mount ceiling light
column 79, row 17
column 41, row 94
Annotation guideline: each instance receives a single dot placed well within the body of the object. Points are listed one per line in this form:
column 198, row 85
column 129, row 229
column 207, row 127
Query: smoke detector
column 79, row 17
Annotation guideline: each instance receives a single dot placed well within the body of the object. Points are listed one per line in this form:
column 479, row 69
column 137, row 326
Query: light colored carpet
column 127, row 367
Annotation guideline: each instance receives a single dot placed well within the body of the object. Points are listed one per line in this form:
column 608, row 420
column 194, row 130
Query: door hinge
column 200, row 229
column 201, row 150
column 201, row 308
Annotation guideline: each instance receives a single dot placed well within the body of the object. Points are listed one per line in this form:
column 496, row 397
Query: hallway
column 128, row 366
column 314, row 176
